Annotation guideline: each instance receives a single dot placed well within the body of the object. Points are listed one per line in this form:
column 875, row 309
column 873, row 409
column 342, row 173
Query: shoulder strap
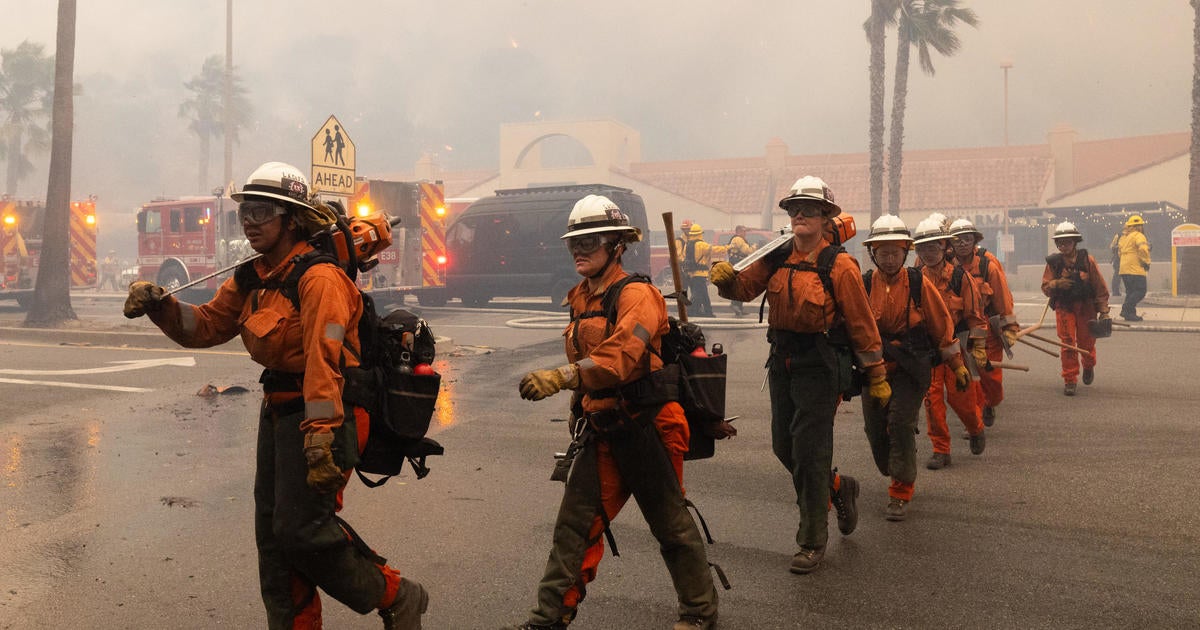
column 956, row 280
column 608, row 303
column 914, row 285
column 983, row 264
column 825, row 261
column 867, row 279
column 247, row 278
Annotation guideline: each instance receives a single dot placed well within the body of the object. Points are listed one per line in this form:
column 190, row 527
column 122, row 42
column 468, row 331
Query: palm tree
column 883, row 15
column 52, row 291
column 26, row 89
column 205, row 110
column 924, row 24
column 1189, row 271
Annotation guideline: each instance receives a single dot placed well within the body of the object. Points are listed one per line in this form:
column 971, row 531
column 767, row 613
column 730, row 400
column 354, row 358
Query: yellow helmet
column 695, row 230
column 1135, row 220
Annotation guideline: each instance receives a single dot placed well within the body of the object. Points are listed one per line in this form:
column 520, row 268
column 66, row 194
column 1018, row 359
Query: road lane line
column 111, row 388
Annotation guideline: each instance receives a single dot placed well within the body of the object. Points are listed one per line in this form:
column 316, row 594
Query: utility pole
column 228, row 93
column 1004, row 65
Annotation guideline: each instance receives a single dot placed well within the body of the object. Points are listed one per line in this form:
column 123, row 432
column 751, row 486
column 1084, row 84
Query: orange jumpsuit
column 997, row 300
column 966, row 311
column 301, row 545
column 891, row 429
column 804, row 393
column 609, row 357
column 1071, row 314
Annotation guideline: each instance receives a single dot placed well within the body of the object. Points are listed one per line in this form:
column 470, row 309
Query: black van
column 508, row 245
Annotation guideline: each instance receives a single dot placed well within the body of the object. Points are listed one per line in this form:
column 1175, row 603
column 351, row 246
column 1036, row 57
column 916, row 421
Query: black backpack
column 735, row 256
column 399, row 402
column 698, row 382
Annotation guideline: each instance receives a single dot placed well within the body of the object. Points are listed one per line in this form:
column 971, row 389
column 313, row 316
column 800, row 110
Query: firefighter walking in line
column 308, row 438
column 997, row 302
column 696, row 257
column 820, row 322
column 914, row 326
column 631, row 436
column 960, row 294
column 739, row 248
column 1134, row 250
column 1077, row 293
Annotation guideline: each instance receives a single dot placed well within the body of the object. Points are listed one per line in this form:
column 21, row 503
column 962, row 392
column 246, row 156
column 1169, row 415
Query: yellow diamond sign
column 333, row 160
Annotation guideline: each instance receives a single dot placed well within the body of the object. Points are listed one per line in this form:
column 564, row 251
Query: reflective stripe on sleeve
column 586, row 364
column 640, row 332
column 335, row 332
column 949, row 351
column 187, row 318
column 870, row 358
column 319, row 409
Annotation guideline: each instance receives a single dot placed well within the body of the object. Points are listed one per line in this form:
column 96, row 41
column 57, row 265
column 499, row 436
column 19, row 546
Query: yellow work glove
column 1010, row 335
column 721, row 274
column 979, row 352
column 962, row 378
column 316, row 218
column 144, row 297
column 539, row 384
column 879, row 389
column 323, row 475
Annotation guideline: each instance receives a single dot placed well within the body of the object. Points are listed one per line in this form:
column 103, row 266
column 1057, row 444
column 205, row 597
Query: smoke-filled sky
column 698, row 79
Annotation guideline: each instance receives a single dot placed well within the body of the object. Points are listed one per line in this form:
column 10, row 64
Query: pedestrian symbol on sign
column 333, row 159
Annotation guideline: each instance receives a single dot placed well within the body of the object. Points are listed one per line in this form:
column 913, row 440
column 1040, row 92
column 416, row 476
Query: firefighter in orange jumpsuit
column 997, row 302
column 308, row 438
column 632, row 441
column 961, row 297
column 820, row 322
column 1077, row 293
column 914, row 326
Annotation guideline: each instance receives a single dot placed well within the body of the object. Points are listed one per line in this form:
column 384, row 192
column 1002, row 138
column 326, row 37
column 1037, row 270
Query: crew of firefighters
column 934, row 334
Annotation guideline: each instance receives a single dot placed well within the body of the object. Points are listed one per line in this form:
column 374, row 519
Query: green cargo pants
column 803, row 403
column 299, row 541
column 646, row 471
column 891, row 430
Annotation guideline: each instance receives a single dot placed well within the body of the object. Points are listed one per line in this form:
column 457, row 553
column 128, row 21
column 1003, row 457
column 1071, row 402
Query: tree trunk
column 896, row 143
column 202, row 185
column 876, row 36
column 1189, row 270
column 52, row 291
column 12, row 174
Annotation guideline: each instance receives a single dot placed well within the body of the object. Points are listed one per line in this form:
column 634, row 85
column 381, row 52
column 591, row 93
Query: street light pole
column 1005, row 65
column 227, row 93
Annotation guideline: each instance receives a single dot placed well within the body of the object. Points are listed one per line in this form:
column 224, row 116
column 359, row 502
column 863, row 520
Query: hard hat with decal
column 1135, row 220
column 889, row 227
column 930, row 229
column 1066, row 229
column 815, row 188
column 276, row 180
column 596, row 214
column 964, row 226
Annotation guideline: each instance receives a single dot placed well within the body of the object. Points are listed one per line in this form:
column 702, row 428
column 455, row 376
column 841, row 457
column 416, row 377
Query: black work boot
column 694, row 622
column 405, row 613
column 978, row 442
column 989, row 416
column 845, row 501
column 938, row 461
column 1089, row 375
column 807, row 560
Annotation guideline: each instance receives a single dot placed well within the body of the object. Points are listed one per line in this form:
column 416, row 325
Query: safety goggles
column 586, row 244
column 964, row 239
column 806, row 210
column 259, row 212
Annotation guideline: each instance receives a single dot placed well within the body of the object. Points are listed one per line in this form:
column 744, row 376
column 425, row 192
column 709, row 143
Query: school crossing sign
column 333, row 160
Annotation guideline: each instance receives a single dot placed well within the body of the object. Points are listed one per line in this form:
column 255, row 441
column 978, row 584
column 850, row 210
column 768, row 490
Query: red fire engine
column 183, row 239
column 21, row 223
column 416, row 260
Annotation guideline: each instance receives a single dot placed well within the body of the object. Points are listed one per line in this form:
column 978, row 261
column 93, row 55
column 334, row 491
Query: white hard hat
column 276, row 180
column 889, row 228
column 964, row 226
column 1066, row 229
column 930, row 229
column 596, row 213
column 941, row 218
column 815, row 188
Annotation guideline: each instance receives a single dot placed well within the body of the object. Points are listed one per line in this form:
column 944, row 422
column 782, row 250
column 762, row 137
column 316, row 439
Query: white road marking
column 112, row 388
column 121, row 366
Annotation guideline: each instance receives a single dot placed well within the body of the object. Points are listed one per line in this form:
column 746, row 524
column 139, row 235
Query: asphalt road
column 132, row 509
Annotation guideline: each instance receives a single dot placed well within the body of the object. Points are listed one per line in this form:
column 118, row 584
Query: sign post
column 333, row 160
column 1186, row 235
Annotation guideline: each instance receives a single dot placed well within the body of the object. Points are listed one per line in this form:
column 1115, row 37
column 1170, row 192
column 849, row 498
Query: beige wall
column 1167, row 181
column 612, row 145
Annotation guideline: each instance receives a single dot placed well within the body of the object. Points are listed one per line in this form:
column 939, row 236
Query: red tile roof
column 1100, row 161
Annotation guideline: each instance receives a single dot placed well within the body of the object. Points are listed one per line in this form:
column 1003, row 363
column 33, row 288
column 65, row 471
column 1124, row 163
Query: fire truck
column 186, row 238
column 183, row 239
column 21, row 225
column 415, row 263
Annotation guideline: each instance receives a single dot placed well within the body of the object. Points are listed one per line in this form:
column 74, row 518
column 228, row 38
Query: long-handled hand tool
column 1058, row 343
column 681, row 296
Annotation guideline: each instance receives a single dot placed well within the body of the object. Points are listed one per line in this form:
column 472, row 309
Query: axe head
column 994, row 324
column 964, row 345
